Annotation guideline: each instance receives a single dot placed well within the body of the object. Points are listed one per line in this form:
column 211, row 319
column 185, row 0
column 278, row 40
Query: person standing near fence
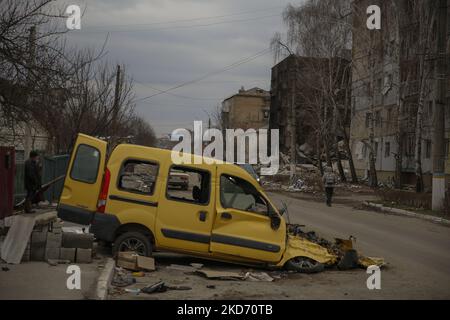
column 32, row 180
column 329, row 181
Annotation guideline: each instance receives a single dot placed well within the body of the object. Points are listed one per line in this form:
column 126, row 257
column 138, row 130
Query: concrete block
column 52, row 253
column 38, row 239
column 54, row 240
column 84, row 255
column 67, row 254
column 77, row 240
column 26, row 255
column 37, row 253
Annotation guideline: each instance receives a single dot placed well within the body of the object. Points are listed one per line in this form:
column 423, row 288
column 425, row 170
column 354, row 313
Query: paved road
column 418, row 252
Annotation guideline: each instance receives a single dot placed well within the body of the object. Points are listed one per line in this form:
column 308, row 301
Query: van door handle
column 226, row 216
column 202, row 216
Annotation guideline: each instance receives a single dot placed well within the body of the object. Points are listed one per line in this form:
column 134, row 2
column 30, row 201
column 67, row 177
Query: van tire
column 304, row 265
column 133, row 239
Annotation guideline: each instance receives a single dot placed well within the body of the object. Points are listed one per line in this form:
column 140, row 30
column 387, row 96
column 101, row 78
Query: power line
column 187, row 20
column 229, row 67
column 83, row 31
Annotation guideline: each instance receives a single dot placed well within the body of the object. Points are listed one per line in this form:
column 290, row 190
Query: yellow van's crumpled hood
column 300, row 247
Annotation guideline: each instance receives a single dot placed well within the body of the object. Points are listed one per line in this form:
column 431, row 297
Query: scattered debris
column 145, row 263
column 133, row 290
column 222, row 275
column 5, row 269
column 211, row 286
column 258, row 276
column 55, row 262
column 197, row 265
column 132, row 261
column 138, row 274
column 122, row 279
column 183, row 268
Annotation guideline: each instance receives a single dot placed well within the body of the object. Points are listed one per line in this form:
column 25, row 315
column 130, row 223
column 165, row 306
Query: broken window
column 240, row 194
column 378, row 118
column 188, row 184
column 138, row 176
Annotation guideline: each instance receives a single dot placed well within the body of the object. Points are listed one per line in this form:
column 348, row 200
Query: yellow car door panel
column 83, row 180
column 185, row 214
column 243, row 225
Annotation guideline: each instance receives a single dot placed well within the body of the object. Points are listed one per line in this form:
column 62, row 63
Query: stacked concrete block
column 38, row 244
column 84, row 255
column 67, row 254
column 27, row 253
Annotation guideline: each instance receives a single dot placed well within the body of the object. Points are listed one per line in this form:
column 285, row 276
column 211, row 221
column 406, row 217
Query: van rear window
column 86, row 163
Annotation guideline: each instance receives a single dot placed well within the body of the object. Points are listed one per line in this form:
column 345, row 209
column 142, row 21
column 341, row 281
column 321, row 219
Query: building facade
column 247, row 109
column 389, row 79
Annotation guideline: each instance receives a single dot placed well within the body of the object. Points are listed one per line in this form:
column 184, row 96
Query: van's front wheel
column 133, row 241
column 304, row 265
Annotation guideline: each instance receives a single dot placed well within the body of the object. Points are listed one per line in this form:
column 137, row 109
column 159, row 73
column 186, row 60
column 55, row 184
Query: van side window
column 187, row 184
column 85, row 164
column 138, row 176
column 240, row 194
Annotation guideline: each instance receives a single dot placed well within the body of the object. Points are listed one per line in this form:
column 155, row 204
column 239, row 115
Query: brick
column 54, row 240
column 67, row 254
column 52, row 253
column 84, row 255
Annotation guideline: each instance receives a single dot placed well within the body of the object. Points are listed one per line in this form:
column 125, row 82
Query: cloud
column 161, row 54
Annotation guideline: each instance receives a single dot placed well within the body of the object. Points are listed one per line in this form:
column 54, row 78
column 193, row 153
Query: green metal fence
column 53, row 167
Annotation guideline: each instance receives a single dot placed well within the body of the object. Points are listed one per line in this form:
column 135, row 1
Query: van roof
column 165, row 153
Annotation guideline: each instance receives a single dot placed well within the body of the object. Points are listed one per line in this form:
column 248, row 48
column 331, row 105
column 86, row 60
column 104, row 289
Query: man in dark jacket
column 329, row 180
column 32, row 179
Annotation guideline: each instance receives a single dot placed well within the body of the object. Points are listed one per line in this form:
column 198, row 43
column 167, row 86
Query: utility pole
column 27, row 139
column 438, row 195
column 116, row 106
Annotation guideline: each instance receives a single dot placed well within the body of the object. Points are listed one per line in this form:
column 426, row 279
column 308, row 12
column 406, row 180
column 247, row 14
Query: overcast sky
column 164, row 43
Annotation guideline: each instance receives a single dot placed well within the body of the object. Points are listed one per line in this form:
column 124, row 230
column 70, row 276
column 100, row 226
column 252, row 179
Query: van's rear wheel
column 133, row 241
column 304, row 265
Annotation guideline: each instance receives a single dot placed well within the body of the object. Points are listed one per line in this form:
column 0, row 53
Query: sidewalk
column 39, row 280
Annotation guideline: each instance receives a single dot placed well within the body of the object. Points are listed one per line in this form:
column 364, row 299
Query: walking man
column 329, row 180
column 32, row 179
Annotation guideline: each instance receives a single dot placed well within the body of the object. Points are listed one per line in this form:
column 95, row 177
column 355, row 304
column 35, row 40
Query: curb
column 104, row 280
column 408, row 213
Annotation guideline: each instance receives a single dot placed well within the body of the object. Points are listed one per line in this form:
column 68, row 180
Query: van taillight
column 101, row 204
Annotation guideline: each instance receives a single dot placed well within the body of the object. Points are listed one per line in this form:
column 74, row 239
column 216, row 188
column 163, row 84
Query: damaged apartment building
column 301, row 104
column 398, row 93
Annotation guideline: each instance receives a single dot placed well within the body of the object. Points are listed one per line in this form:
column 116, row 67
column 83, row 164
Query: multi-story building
column 308, row 77
column 247, row 109
column 386, row 86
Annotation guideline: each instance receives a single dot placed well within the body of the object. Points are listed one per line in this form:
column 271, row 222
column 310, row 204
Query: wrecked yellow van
column 220, row 212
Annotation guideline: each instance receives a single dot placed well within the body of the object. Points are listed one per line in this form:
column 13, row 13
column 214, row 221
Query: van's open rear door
column 83, row 181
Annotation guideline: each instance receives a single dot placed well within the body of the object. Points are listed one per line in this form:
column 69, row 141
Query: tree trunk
column 319, row 155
